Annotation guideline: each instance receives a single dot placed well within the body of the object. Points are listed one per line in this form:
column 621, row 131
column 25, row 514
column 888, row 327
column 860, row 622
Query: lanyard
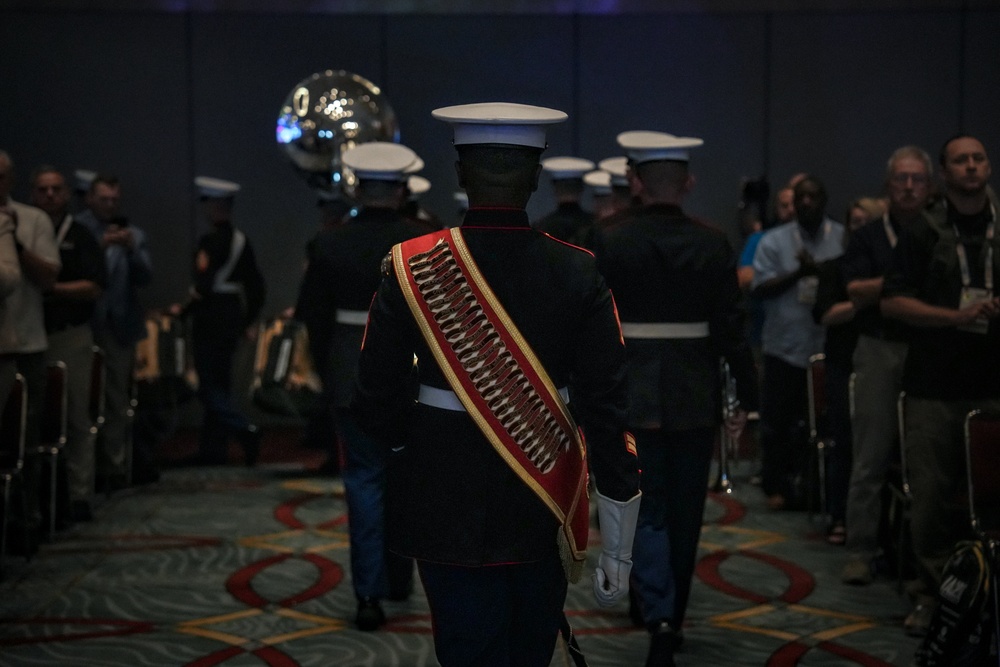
column 890, row 233
column 963, row 260
column 63, row 229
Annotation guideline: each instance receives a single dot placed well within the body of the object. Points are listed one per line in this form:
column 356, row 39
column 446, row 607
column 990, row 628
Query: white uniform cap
column 617, row 167
column 84, row 178
column 566, row 167
column 380, row 160
column 417, row 185
column 599, row 180
column 417, row 165
column 499, row 123
column 215, row 188
column 646, row 146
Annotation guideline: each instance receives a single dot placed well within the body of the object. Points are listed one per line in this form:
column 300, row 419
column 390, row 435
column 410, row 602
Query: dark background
column 161, row 91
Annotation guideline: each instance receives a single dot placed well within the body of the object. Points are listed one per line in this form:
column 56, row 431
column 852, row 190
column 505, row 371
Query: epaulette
column 387, row 264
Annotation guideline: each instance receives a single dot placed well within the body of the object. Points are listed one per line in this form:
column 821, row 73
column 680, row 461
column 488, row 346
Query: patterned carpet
column 237, row 567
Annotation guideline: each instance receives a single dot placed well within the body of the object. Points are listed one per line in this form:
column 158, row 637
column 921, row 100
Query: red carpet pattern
column 235, row 567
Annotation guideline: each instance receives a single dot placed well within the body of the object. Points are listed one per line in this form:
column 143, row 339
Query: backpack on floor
column 961, row 630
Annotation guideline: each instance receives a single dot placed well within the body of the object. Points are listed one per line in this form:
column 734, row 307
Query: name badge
column 807, row 290
column 970, row 297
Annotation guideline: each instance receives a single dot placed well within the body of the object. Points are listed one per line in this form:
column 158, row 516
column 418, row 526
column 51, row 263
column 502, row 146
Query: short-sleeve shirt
column 945, row 363
column 789, row 330
column 24, row 323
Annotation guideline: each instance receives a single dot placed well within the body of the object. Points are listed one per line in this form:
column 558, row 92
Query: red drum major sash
column 496, row 376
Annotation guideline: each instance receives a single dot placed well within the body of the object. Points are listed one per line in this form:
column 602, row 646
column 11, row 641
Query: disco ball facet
column 327, row 113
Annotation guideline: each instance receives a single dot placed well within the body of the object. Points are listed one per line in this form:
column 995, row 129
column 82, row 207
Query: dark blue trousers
column 674, row 485
column 495, row 616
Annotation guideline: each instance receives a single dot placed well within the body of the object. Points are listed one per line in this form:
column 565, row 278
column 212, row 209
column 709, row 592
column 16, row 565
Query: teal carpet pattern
column 236, row 567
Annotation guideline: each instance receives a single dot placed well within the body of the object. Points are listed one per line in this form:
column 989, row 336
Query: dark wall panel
column 244, row 66
column 106, row 92
column 849, row 89
column 981, row 83
column 689, row 75
column 435, row 62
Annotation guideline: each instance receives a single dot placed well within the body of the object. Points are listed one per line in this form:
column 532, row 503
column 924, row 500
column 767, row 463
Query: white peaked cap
column 417, row 185
column 617, row 167
column 380, row 160
column 599, row 180
column 215, row 188
column 566, row 167
column 499, row 123
column 417, row 165
column 646, row 146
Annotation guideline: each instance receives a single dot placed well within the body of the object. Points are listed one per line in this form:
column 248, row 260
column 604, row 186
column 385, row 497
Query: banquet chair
column 13, row 421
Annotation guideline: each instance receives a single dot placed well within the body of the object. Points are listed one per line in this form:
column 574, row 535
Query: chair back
column 98, row 375
column 52, row 427
column 816, row 390
column 13, row 422
column 901, row 424
column 982, row 464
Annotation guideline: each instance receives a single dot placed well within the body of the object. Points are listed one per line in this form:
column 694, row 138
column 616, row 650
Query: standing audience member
column 486, row 469
column 10, row 276
column 118, row 323
column 568, row 222
column 343, row 274
column 835, row 311
column 879, row 356
column 674, row 342
column 69, row 307
column 785, row 268
column 226, row 298
column 24, row 336
column 941, row 283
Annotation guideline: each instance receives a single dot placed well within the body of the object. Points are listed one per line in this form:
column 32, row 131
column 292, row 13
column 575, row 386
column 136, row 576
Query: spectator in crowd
column 118, row 323
column 879, row 356
column 785, row 278
column 69, row 306
column 941, row 283
column 24, row 336
column 835, row 311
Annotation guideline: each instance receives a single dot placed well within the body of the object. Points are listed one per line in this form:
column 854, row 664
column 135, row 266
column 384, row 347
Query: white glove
column 618, row 521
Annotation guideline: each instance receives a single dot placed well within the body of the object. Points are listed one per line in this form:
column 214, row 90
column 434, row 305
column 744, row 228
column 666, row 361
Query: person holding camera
column 119, row 318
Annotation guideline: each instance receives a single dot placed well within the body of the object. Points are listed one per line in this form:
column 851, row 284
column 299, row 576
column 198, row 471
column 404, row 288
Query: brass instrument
column 727, row 444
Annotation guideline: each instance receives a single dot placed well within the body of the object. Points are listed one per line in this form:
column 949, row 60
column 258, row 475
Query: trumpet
column 727, row 444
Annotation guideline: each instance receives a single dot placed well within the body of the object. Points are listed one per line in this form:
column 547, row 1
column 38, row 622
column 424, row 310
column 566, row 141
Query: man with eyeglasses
column 941, row 283
column 879, row 355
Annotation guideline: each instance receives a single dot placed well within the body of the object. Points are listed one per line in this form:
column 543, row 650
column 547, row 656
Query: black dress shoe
column 370, row 615
column 250, row 439
column 664, row 641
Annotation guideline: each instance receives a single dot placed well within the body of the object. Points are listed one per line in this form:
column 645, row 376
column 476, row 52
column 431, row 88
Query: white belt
column 448, row 400
column 359, row 317
column 665, row 329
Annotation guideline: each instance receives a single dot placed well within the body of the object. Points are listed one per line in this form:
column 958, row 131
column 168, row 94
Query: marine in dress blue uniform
column 568, row 222
column 484, row 541
column 343, row 274
column 674, row 279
